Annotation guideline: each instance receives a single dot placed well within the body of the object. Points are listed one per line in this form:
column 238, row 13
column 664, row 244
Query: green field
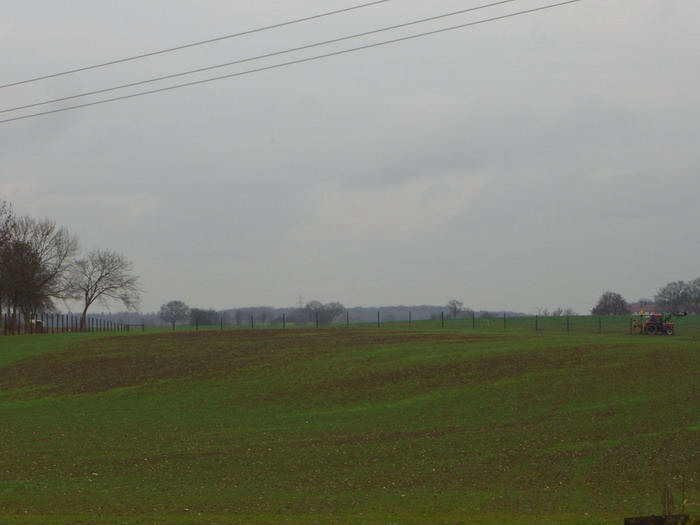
column 359, row 425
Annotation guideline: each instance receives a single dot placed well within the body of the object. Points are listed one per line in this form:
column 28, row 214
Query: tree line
column 41, row 264
column 676, row 296
column 176, row 312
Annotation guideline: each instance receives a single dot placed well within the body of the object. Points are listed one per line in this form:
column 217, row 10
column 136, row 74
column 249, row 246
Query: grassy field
column 346, row 426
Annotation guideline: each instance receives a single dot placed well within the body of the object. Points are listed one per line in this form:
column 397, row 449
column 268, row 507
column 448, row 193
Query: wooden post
column 252, row 323
column 504, row 320
column 442, row 319
column 379, row 321
column 316, row 319
column 347, row 319
column 536, row 323
column 284, row 320
column 410, row 320
column 568, row 324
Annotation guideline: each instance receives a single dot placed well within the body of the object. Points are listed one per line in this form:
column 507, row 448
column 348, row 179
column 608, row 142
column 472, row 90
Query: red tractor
column 656, row 324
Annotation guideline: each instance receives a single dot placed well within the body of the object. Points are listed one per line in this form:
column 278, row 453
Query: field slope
column 360, row 425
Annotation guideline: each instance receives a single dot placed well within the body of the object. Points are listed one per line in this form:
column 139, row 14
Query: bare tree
column 455, row 307
column 35, row 259
column 673, row 296
column 174, row 311
column 102, row 276
column 324, row 313
column 6, row 219
column 694, row 295
column 611, row 303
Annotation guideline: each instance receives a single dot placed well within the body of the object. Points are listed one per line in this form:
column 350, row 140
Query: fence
column 62, row 323
column 16, row 324
column 621, row 324
column 613, row 324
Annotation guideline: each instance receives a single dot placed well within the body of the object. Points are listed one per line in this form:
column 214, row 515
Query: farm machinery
column 655, row 324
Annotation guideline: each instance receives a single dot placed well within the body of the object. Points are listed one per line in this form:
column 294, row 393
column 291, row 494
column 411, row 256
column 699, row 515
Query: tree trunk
column 83, row 318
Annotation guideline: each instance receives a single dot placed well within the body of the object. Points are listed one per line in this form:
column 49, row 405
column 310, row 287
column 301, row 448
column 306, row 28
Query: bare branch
column 104, row 276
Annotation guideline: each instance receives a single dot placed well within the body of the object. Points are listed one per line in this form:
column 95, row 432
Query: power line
column 193, row 44
column 293, row 62
column 259, row 57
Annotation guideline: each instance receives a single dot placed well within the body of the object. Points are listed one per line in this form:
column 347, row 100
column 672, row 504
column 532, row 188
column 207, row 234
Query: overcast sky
column 531, row 162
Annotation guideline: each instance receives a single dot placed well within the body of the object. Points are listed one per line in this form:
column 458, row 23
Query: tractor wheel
column 669, row 331
column 651, row 329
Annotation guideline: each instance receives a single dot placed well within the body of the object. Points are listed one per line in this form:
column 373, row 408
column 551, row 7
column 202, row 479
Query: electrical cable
column 259, row 57
column 293, row 62
column 193, row 44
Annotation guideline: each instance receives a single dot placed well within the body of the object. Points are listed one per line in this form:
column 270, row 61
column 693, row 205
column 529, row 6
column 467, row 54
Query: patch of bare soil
column 366, row 383
column 104, row 364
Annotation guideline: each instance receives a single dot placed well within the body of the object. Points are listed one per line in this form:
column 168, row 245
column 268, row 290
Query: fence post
column 316, row 319
column 537, row 325
column 442, row 319
column 222, row 322
column 568, row 324
column 410, row 320
column 379, row 322
column 252, row 323
column 347, row 319
column 504, row 320
column 196, row 325
column 284, row 320
column 473, row 319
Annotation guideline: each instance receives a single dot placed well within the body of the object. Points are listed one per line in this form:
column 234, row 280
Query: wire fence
column 613, row 324
column 17, row 324
column 608, row 324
